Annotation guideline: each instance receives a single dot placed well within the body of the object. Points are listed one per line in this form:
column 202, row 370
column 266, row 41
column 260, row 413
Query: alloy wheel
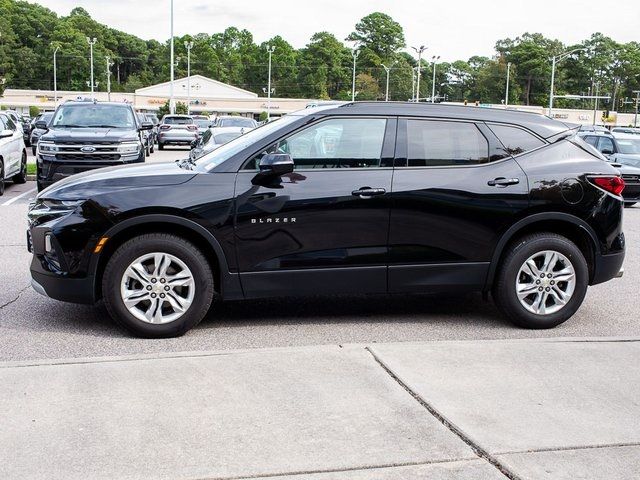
column 545, row 282
column 157, row 288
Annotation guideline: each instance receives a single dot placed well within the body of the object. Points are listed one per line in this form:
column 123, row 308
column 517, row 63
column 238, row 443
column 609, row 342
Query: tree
column 380, row 34
column 34, row 111
column 180, row 109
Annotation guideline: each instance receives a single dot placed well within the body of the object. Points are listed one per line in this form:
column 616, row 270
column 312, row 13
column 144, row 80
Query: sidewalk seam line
column 339, row 470
column 477, row 449
column 571, row 448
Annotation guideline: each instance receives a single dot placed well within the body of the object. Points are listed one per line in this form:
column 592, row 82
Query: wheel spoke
column 154, row 313
column 540, row 303
column 550, row 259
column 139, row 272
column 134, row 297
column 531, row 269
column 558, row 295
column 160, row 264
column 180, row 280
column 526, row 289
column 564, row 275
column 176, row 301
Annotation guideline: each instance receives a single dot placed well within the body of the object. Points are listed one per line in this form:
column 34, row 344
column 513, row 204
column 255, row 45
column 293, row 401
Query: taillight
column 165, row 127
column 193, row 128
column 612, row 184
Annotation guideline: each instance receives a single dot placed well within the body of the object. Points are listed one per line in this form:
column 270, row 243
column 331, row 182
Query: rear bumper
column 607, row 267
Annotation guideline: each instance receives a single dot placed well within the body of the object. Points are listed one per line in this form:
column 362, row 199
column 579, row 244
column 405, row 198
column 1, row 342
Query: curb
column 31, row 178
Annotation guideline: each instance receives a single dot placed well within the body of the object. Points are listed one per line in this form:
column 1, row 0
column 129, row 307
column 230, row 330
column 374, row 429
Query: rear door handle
column 366, row 192
column 503, row 182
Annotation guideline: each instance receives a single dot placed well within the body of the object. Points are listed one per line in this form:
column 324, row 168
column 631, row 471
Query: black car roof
column 540, row 124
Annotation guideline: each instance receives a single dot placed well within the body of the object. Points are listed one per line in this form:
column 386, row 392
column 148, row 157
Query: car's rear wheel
column 158, row 286
column 160, row 146
column 33, row 150
column 22, row 176
column 542, row 281
column 1, row 177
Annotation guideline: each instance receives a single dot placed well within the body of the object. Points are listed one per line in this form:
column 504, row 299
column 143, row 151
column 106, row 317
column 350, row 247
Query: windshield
column 94, row 115
column 236, row 122
column 228, row 150
column 225, row 137
column 178, row 121
column 629, row 146
column 631, row 162
column 203, row 123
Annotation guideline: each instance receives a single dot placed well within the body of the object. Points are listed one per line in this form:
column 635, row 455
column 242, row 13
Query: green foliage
column 320, row 70
column 33, row 111
column 180, row 109
column 263, row 116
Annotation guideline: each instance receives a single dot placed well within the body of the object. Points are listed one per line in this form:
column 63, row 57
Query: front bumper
column 50, row 171
column 74, row 290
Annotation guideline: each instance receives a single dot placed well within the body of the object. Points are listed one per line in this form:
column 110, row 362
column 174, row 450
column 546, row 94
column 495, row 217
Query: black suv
column 85, row 135
column 350, row 199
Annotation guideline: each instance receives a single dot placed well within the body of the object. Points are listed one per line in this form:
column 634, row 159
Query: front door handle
column 503, row 182
column 366, row 192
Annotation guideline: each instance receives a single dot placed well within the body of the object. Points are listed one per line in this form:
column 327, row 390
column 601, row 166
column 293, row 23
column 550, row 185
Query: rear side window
column 606, row 145
column 516, row 140
column 433, row 143
column 591, row 140
column 2, row 125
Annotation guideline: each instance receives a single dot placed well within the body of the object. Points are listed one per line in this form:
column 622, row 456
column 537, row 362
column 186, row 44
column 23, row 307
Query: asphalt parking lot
column 35, row 327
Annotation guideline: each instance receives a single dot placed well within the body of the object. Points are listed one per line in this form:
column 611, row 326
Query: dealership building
column 207, row 96
column 212, row 97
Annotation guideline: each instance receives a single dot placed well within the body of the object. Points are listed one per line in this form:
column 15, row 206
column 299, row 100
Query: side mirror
column 606, row 151
column 146, row 126
column 6, row 133
column 276, row 164
column 617, row 165
column 41, row 125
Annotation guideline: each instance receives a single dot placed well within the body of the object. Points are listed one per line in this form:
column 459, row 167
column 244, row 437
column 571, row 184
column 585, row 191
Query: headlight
column 130, row 147
column 51, row 209
column 48, row 147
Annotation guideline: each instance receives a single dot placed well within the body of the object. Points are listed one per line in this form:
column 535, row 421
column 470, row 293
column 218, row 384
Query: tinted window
column 178, row 121
column 236, row 122
column 516, row 140
column 2, row 125
column 9, row 123
column 591, row 140
column 606, row 145
column 432, row 143
column 202, row 123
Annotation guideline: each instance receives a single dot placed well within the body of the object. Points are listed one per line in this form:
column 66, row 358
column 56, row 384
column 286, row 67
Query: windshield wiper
column 70, row 125
column 107, row 126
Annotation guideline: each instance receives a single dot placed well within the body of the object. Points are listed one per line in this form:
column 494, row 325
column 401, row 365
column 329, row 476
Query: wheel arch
column 226, row 284
column 569, row 226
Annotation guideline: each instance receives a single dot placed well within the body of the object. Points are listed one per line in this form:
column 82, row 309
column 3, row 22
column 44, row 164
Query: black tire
column 166, row 243
column 160, row 146
column 152, row 146
column 504, row 288
column 629, row 204
column 33, row 150
column 22, row 176
column 1, row 177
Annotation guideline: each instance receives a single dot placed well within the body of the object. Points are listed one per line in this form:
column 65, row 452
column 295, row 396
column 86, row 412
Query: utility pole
column 555, row 60
column 506, row 93
column 188, row 46
column 433, row 85
column 387, row 69
column 413, row 84
column 270, row 49
column 171, row 105
column 419, row 51
column 595, row 102
column 55, row 77
column 109, row 65
column 92, row 42
column 353, row 82
column 635, row 117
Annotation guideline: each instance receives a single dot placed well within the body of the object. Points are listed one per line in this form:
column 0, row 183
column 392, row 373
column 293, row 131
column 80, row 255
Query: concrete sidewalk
column 534, row 409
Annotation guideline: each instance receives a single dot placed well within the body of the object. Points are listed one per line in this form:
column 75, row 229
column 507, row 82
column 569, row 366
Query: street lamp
column 556, row 59
column 635, row 117
column 171, row 103
column 387, row 69
column 55, row 76
column 109, row 65
column 506, row 91
column 270, row 50
column 353, row 82
column 188, row 46
column 433, row 86
column 419, row 50
column 92, row 42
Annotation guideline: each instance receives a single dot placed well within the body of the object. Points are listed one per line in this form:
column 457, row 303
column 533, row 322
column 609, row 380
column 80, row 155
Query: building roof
column 200, row 87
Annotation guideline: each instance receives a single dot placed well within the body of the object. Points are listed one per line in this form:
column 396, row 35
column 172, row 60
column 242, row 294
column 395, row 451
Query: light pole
column 353, row 81
column 92, row 42
column 433, row 86
column 55, row 76
column 387, row 69
column 109, row 65
column 270, row 50
column 595, row 98
column 188, row 46
column 556, row 59
column 506, row 91
column 419, row 50
column 171, row 105
column 635, row 117
column 413, row 83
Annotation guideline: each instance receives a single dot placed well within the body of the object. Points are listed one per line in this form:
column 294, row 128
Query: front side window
column 516, row 140
column 591, row 140
column 606, row 145
column 437, row 143
column 336, row 143
column 9, row 123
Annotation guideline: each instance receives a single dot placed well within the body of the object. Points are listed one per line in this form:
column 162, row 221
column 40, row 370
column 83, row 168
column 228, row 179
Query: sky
column 456, row 29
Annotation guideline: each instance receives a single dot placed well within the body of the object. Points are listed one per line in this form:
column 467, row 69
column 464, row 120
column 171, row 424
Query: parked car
column 488, row 200
column 147, row 136
column 213, row 138
column 86, row 135
column 623, row 151
column 203, row 124
column 633, row 130
column 37, row 131
column 594, row 128
column 177, row 130
column 234, row 121
column 150, row 117
column 13, row 154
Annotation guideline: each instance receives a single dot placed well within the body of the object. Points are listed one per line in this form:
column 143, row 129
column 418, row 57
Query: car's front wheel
column 158, row 285
column 21, row 177
column 541, row 281
column 1, row 177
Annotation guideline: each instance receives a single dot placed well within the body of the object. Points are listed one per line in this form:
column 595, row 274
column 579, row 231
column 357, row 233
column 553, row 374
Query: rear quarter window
column 516, row 140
